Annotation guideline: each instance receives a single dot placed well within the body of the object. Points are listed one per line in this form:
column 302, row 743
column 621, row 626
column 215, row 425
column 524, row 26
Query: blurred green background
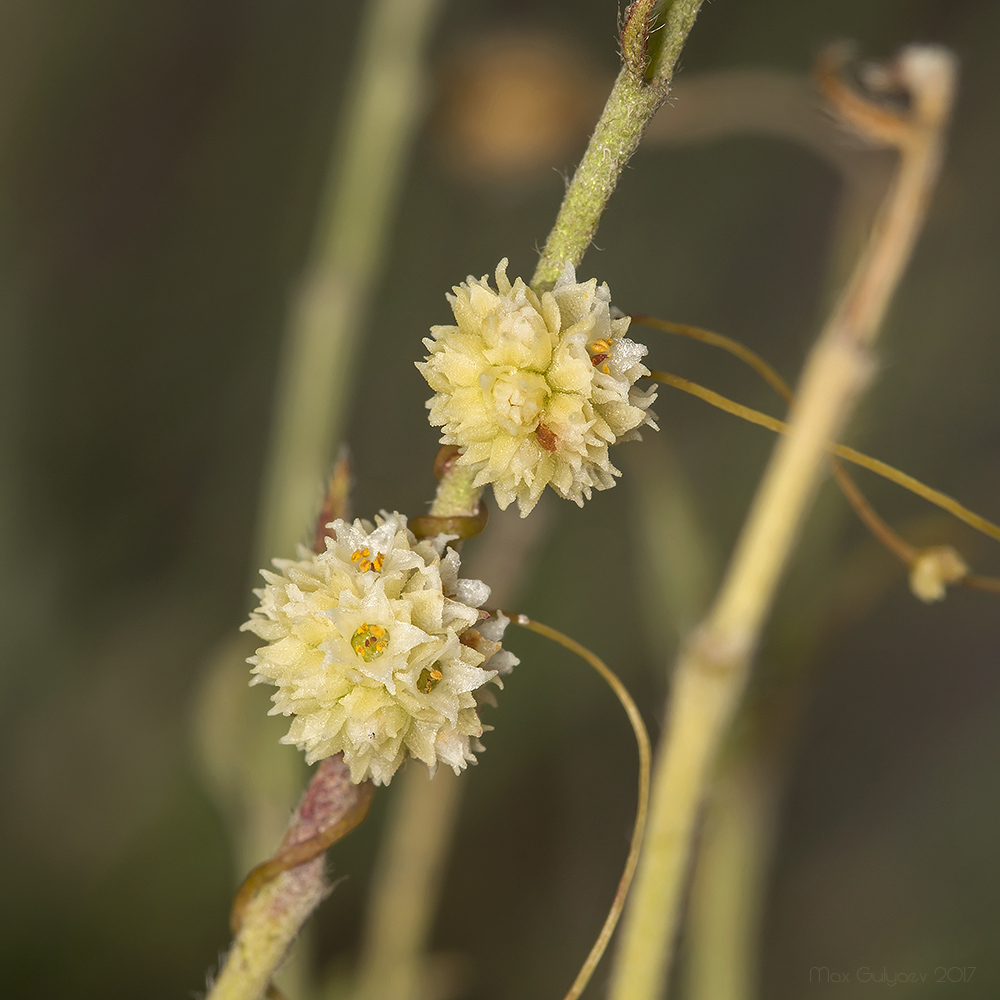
column 160, row 169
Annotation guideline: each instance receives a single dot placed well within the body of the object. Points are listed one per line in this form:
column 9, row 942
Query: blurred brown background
column 160, row 165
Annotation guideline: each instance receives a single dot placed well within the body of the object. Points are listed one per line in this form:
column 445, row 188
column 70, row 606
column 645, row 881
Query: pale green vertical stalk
column 406, row 884
column 641, row 88
column 727, row 892
column 386, row 94
column 677, row 557
column 713, row 668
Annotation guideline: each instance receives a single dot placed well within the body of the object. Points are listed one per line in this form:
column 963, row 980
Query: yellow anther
column 599, row 351
column 370, row 641
column 360, row 556
column 428, row 679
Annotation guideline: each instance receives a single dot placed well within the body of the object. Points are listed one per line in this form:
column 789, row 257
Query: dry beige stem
column 712, row 670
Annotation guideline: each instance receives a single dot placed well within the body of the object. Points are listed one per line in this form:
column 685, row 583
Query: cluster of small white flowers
column 377, row 649
column 534, row 388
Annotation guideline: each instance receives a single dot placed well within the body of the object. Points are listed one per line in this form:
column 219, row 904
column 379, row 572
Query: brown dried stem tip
column 634, row 30
column 337, row 502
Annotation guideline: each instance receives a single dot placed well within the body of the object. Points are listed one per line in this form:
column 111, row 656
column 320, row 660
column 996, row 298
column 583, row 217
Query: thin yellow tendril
column 880, row 468
column 734, row 347
column 642, row 806
column 894, row 542
column 902, row 549
column 299, row 853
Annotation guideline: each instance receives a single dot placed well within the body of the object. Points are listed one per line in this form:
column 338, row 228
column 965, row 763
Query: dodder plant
column 381, row 650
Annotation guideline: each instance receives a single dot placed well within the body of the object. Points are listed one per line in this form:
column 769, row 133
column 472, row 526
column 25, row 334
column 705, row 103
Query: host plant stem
column 713, row 667
column 634, row 99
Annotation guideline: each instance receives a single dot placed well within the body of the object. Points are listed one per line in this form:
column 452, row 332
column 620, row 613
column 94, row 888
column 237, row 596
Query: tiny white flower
column 933, row 570
column 534, row 388
column 377, row 650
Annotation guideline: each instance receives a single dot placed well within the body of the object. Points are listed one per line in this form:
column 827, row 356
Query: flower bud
column 932, row 571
